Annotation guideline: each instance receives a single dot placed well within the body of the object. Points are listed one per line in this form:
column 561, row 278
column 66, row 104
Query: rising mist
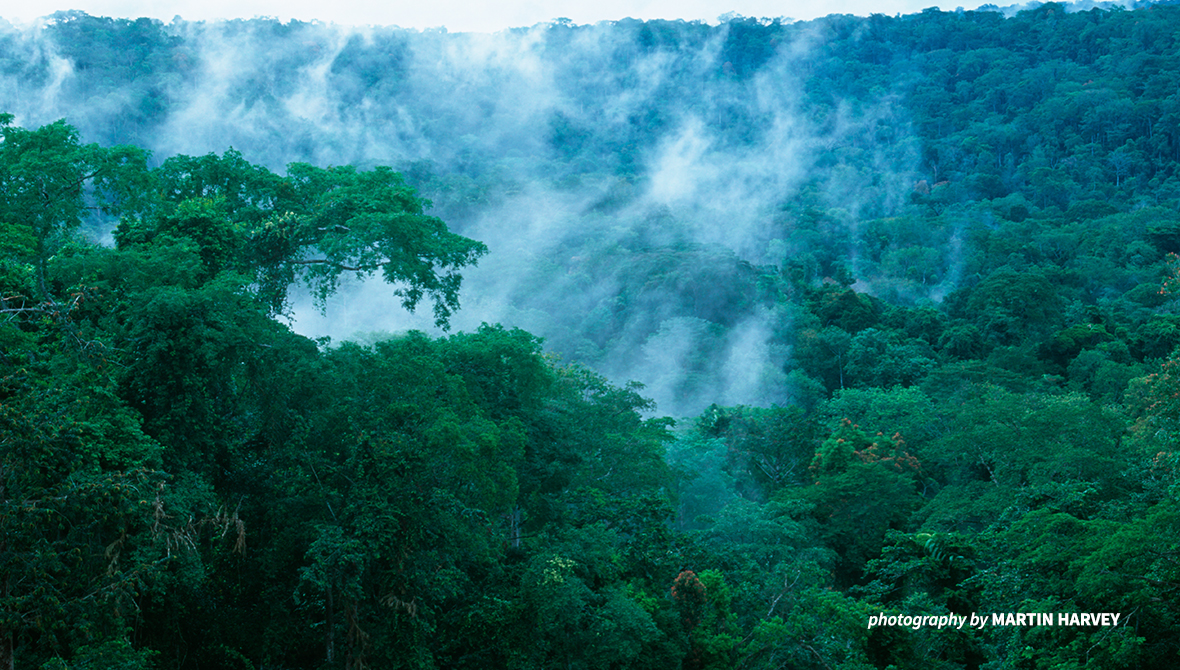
column 633, row 181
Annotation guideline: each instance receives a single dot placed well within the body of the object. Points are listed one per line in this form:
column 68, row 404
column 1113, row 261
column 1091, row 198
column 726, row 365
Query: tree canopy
column 935, row 372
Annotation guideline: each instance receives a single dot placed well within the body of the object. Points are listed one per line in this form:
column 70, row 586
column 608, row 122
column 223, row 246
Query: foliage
column 964, row 394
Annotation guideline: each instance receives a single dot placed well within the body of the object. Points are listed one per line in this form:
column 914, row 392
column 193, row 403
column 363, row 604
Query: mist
column 631, row 180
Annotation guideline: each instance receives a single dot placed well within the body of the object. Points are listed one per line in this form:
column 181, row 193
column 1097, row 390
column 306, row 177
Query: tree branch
column 321, row 261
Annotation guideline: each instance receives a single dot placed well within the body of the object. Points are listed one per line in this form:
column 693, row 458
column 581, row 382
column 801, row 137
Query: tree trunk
column 514, row 534
column 7, row 653
column 42, row 284
column 331, row 627
column 7, row 657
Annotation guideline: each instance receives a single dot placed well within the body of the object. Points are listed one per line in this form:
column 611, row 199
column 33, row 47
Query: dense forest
column 327, row 347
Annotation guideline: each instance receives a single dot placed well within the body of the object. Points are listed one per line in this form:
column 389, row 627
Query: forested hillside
column 318, row 344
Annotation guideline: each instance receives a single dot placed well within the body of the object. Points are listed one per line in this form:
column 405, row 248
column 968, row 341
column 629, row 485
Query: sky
column 464, row 15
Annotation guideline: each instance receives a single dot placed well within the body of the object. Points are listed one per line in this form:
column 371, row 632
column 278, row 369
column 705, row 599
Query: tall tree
column 50, row 182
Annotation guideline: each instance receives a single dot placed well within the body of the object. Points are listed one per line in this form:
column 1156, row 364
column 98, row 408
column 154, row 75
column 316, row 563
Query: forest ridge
column 910, row 280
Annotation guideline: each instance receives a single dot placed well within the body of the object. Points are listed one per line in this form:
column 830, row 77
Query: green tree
column 49, row 181
column 313, row 225
column 1009, row 306
column 864, row 486
column 767, row 448
column 74, row 541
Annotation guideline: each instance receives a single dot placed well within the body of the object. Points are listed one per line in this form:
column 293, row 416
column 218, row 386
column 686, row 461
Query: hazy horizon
column 463, row 16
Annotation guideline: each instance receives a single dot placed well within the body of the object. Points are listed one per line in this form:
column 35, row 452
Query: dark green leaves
column 313, row 225
column 370, row 222
column 48, row 182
